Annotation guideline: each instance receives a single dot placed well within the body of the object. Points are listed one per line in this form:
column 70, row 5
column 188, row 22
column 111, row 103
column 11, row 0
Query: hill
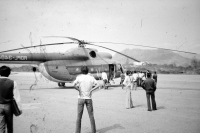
column 153, row 56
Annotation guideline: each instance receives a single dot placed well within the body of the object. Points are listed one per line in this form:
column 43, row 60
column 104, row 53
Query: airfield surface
column 50, row 109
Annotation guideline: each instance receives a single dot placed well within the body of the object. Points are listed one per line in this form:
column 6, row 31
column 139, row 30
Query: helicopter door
column 111, row 72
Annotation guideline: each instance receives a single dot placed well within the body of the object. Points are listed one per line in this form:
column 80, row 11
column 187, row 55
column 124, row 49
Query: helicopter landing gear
column 61, row 84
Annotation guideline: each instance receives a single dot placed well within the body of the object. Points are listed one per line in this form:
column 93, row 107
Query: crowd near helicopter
column 64, row 67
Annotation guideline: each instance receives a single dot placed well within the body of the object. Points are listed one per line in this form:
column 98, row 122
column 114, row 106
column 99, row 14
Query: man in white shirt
column 84, row 85
column 135, row 77
column 8, row 90
column 105, row 79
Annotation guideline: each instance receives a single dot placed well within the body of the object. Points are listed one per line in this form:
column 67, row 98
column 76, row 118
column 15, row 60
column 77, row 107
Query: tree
column 195, row 63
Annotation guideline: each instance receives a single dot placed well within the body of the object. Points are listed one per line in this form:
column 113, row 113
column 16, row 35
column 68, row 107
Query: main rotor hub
column 82, row 43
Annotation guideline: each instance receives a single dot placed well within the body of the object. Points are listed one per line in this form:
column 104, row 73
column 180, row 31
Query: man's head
column 128, row 72
column 148, row 75
column 5, row 71
column 84, row 70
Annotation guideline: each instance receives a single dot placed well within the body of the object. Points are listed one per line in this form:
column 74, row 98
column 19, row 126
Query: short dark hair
column 84, row 70
column 5, row 71
column 128, row 72
column 148, row 75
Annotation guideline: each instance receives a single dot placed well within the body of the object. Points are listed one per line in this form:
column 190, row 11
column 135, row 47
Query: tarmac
column 50, row 109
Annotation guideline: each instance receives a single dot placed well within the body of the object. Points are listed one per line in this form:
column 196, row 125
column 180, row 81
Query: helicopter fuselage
column 64, row 67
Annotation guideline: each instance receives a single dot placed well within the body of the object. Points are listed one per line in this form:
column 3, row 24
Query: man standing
column 105, row 79
column 122, row 75
column 84, row 85
column 155, row 77
column 149, row 86
column 135, row 78
column 8, row 90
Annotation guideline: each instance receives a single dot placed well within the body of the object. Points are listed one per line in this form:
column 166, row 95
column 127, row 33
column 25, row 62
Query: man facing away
column 149, row 86
column 155, row 77
column 8, row 90
column 84, row 85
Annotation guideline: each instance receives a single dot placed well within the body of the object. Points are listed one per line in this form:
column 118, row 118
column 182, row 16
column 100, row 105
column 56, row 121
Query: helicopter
column 64, row 67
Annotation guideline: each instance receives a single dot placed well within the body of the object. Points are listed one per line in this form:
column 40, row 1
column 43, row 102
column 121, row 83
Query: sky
column 172, row 24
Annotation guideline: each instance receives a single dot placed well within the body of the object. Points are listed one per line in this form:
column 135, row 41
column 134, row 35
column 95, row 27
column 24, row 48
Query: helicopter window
column 92, row 54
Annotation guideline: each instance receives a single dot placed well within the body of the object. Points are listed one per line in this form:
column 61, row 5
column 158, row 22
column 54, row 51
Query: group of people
column 84, row 83
column 148, row 83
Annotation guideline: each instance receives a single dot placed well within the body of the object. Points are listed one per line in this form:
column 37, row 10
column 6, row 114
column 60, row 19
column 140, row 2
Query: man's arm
column 76, row 87
column 154, row 83
column 143, row 85
column 95, row 87
column 17, row 96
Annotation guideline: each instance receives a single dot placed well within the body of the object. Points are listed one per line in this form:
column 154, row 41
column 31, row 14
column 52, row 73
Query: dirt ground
column 50, row 109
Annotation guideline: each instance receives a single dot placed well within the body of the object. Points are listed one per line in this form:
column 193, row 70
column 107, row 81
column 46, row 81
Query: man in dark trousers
column 8, row 90
column 155, row 77
column 85, row 85
column 149, row 86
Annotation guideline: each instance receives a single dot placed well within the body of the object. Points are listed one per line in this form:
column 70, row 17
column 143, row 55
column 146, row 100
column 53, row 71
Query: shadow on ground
column 115, row 126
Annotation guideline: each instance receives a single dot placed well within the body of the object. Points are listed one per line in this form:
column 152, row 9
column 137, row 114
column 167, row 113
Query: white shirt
column 85, row 84
column 104, row 76
column 127, row 81
column 141, row 75
column 16, row 93
column 135, row 76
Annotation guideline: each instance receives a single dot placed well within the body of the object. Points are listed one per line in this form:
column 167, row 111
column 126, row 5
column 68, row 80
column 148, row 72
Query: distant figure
column 135, row 78
column 149, row 86
column 8, row 90
column 122, row 75
column 105, row 79
column 155, row 77
column 144, row 76
column 140, row 78
column 128, row 84
column 83, row 84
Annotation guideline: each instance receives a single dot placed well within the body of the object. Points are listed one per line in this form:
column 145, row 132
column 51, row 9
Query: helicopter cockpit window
column 92, row 54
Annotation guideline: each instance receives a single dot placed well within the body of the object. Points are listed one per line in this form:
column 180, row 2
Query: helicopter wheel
column 61, row 84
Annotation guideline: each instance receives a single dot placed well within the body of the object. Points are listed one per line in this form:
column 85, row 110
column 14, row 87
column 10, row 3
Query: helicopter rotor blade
column 74, row 39
column 114, row 51
column 34, row 46
column 148, row 47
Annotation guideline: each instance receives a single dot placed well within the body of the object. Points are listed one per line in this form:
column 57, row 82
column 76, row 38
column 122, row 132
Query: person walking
column 128, row 84
column 149, row 86
column 105, row 79
column 84, row 85
column 8, row 90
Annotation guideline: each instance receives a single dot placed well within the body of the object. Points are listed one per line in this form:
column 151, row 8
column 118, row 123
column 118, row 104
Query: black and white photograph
column 99, row 66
